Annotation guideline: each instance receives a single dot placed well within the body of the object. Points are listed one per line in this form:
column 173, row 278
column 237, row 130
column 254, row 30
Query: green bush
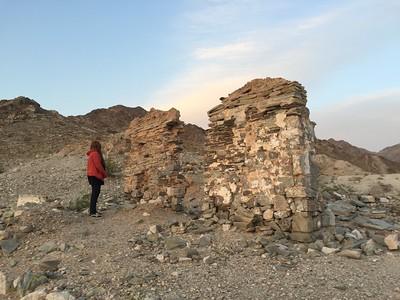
column 80, row 203
column 112, row 168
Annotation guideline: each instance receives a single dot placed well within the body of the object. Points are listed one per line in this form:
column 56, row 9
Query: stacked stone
column 161, row 166
column 259, row 151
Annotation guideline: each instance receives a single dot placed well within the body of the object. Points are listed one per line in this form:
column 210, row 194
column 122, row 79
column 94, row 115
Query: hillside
column 28, row 131
column 110, row 120
column 392, row 153
column 350, row 160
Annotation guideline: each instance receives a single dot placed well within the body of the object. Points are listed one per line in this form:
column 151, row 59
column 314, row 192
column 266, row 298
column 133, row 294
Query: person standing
column 96, row 173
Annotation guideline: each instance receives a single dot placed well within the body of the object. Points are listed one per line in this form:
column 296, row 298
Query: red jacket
column 94, row 166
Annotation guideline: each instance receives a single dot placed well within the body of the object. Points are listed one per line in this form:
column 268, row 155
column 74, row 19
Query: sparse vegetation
column 80, row 203
column 112, row 167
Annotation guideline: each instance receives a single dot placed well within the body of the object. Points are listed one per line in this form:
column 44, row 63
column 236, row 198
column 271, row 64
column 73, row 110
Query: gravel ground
column 57, row 178
column 115, row 258
column 103, row 262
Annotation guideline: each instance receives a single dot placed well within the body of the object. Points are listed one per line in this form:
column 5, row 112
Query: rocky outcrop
column 259, row 154
column 161, row 166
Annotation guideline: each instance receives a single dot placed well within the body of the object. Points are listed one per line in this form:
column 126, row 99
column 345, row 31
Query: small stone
column 155, row 228
column 342, row 208
column 152, row 237
column 159, row 200
column 339, row 237
column 4, row 235
column 355, row 254
column 204, row 241
column 384, row 200
column 317, row 245
column 184, row 259
column 50, row 265
column 160, row 257
column 375, row 224
column 328, row 251
column 26, row 229
column 48, row 247
column 3, row 284
column 18, row 213
column 226, row 227
column 13, row 263
column 339, row 196
column 369, row 247
column 355, row 234
column 9, row 246
column 65, row 295
column 146, row 214
column 312, row 252
column 268, row 215
column 392, row 241
column 172, row 243
column 38, row 295
column 191, row 252
column 328, row 218
column 367, row 199
column 208, row 260
column 63, row 247
column 29, row 199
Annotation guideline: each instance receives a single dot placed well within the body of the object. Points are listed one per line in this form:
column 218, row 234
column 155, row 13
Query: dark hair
column 96, row 146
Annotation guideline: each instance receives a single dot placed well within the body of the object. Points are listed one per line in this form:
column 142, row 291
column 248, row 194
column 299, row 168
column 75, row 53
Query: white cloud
column 229, row 51
column 368, row 121
column 307, row 49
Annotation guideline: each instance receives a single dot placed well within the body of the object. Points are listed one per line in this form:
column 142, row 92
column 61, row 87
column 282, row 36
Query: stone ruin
column 163, row 161
column 259, row 149
column 251, row 169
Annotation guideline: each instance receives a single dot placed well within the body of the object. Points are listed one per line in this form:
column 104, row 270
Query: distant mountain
column 361, row 159
column 27, row 130
column 392, row 153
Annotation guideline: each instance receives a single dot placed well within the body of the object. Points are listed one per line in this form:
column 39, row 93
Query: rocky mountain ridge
column 360, row 159
column 28, row 131
column 391, row 152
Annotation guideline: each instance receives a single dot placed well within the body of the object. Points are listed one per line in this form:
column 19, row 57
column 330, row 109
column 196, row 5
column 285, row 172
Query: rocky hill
column 110, row 120
column 391, row 153
column 28, row 131
column 341, row 158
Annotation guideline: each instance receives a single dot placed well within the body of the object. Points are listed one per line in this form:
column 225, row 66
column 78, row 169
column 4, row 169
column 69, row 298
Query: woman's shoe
column 96, row 215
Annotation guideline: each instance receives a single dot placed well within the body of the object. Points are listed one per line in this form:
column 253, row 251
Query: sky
column 78, row 55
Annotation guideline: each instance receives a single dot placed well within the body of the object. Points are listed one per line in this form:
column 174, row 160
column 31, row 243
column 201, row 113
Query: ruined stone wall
column 161, row 166
column 259, row 153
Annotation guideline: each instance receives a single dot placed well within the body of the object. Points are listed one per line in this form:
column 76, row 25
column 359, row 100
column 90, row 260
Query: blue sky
column 74, row 56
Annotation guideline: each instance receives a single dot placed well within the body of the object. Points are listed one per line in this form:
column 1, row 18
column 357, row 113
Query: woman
column 96, row 173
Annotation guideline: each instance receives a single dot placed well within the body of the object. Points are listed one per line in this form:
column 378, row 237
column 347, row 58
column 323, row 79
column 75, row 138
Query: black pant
column 96, row 186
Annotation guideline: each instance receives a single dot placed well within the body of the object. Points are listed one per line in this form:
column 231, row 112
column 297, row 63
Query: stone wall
column 259, row 156
column 162, row 165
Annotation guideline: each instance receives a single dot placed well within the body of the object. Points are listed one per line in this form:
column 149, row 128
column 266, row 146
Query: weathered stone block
column 303, row 222
column 280, row 203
